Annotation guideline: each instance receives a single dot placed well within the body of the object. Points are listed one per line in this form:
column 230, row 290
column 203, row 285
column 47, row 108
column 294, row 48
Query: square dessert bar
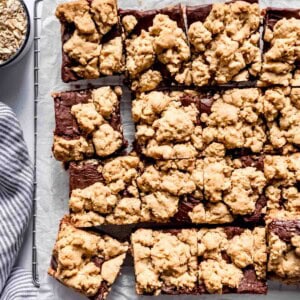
column 104, row 192
column 92, row 43
column 283, row 188
column 233, row 191
column 164, row 187
column 281, row 58
column 224, row 39
column 282, row 115
column 156, row 47
column 232, row 122
column 284, row 250
column 88, row 123
column 203, row 191
column 205, row 261
column 85, row 261
column 232, row 260
column 167, row 124
column 165, row 262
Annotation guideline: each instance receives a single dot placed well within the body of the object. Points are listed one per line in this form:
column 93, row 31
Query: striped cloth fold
column 16, row 190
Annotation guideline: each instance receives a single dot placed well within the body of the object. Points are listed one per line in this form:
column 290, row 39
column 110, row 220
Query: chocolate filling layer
column 273, row 15
column 253, row 161
column 102, row 292
column 250, row 284
column 231, row 231
column 257, row 216
column 285, row 230
column 66, row 125
column 84, row 174
column 185, row 206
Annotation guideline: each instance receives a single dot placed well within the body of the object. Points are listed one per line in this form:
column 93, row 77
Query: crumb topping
column 212, row 213
column 164, row 260
column 284, row 258
column 235, row 120
column 129, row 22
column 107, row 140
column 77, row 253
column 68, row 150
column 111, row 57
column 148, row 81
column 105, row 100
column 279, row 60
column 105, row 14
column 87, row 116
column 166, row 127
column 226, row 43
column 170, row 43
column 140, row 54
column 282, row 111
column 239, row 188
column 282, row 173
column 164, row 41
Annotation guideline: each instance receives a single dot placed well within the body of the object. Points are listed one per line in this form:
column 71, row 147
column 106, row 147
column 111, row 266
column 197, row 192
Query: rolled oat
column 13, row 28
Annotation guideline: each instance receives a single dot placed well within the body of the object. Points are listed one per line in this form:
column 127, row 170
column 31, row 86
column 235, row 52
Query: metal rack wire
column 37, row 23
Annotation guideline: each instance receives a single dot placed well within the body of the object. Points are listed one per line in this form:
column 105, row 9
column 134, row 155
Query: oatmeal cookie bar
column 156, row 47
column 85, row 261
column 203, row 191
column 88, row 123
column 232, row 122
column 232, row 260
column 104, row 192
column 233, row 191
column 282, row 191
column 205, row 261
column 164, row 187
column 224, row 39
column 167, row 124
column 281, row 55
column 92, row 44
column 282, row 113
column 165, row 262
column 284, row 250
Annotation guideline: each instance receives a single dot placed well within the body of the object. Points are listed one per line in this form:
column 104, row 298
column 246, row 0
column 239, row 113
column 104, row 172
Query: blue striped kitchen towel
column 16, row 190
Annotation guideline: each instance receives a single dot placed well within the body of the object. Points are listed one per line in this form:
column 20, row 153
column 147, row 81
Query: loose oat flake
column 13, row 26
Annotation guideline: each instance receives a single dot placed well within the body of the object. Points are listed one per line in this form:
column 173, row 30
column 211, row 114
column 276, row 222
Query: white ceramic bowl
column 26, row 43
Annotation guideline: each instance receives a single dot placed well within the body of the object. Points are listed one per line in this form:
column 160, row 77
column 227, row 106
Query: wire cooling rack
column 37, row 20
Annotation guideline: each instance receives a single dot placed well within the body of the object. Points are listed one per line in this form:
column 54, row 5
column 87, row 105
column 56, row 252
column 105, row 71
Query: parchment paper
column 53, row 179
